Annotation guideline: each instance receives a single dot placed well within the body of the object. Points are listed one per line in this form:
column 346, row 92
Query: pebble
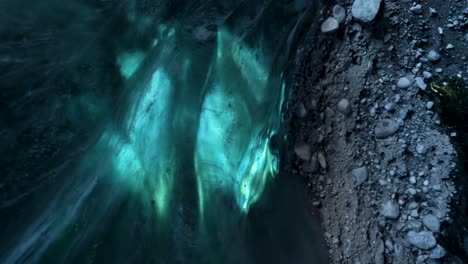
column 432, row 11
column 365, row 10
column 422, row 240
column 429, row 105
column 433, row 56
column 386, row 128
column 321, row 160
column 301, row 112
column 329, row 25
column 427, row 75
column 302, row 150
column 437, row 253
column 344, row 107
column 339, row 13
column 449, row 46
column 412, row 179
column 390, row 210
column 360, row 174
column 403, row 82
column 390, row 107
column 417, row 9
column 431, row 222
column 421, row 149
column 441, row 31
column 438, row 70
column 420, row 83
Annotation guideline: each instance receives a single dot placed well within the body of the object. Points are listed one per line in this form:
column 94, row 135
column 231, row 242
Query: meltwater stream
column 138, row 132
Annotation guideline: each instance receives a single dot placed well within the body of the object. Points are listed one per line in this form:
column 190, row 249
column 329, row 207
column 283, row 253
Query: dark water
column 140, row 132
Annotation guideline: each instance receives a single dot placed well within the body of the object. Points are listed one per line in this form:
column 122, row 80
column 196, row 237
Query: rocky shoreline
column 368, row 136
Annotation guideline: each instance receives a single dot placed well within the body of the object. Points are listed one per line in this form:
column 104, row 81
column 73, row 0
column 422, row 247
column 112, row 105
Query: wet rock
column 420, row 83
column 302, row 150
column 433, row 56
column 390, row 210
column 360, row 174
column 329, row 25
column 437, row 253
column 431, row 222
column 403, row 82
column 386, row 128
column 422, row 240
column 339, row 13
column 344, row 107
column 365, row 10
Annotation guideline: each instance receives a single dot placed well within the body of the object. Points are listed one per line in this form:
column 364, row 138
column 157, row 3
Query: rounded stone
column 365, row 10
column 431, row 222
column 339, row 13
column 433, row 56
column 360, row 174
column 344, row 107
column 386, row 128
column 329, row 25
column 390, row 210
column 403, row 82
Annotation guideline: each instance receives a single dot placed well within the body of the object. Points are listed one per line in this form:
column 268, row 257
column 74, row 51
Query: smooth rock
column 422, row 240
column 365, row 10
column 420, row 83
column 386, row 128
column 339, row 13
column 437, row 253
column 427, row 75
column 344, row 107
column 431, row 222
column 433, row 56
column 329, row 25
column 403, row 82
column 360, row 174
column 302, row 150
column 390, row 210
column 429, row 105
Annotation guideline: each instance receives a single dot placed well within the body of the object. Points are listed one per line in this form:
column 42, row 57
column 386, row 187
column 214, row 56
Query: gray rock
column 360, row 174
column 322, row 160
column 422, row 240
column 379, row 253
column 329, row 25
column 386, row 128
column 339, row 13
column 390, row 107
column 433, row 56
column 432, row 223
column 344, row 107
column 365, row 10
column 312, row 165
column 421, row 149
column 437, row 253
column 427, row 75
column 420, row 83
column 302, row 150
column 417, row 9
column 403, row 82
column 449, row 46
column 390, row 210
column 432, row 11
column 439, row 70
column 301, row 111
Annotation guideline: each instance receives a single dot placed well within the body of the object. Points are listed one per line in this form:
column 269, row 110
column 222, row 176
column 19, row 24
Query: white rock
column 441, row 31
column 449, row 46
column 329, row 25
column 339, row 13
column 403, row 82
column 365, row 10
